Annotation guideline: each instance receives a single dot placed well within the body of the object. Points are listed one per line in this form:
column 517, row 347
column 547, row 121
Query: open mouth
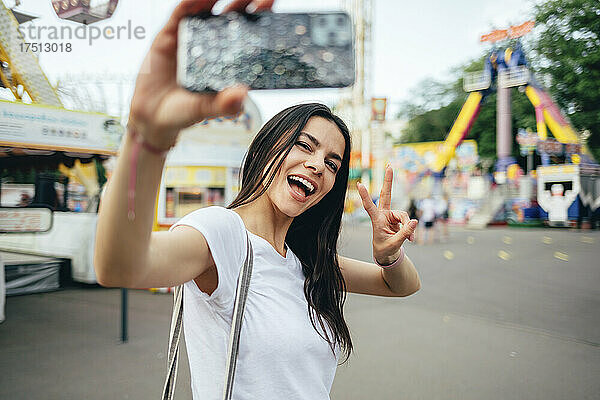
column 300, row 186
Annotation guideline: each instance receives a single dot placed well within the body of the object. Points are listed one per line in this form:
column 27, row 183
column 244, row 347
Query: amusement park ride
column 505, row 69
column 558, row 186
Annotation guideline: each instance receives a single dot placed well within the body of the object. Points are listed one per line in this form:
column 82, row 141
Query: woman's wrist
column 398, row 261
column 139, row 140
column 138, row 143
column 158, row 137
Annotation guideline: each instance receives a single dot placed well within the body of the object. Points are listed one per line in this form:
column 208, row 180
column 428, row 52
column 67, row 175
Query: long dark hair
column 313, row 235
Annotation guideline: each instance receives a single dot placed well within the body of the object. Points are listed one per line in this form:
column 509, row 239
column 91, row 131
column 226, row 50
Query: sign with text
column 25, row 220
column 51, row 128
column 419, row 157
column 494, row 36
column 378, row 106
column 513, row 32
column 527, row 141
column 553, row 147
column 520, row 30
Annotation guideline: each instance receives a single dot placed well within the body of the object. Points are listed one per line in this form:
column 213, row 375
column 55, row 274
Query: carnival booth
column 203, row 167
column 569, row 194
column 52, row 157
column 558, row 187
column 589, row 196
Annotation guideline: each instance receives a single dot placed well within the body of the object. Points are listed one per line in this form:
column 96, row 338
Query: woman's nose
column 315, row 165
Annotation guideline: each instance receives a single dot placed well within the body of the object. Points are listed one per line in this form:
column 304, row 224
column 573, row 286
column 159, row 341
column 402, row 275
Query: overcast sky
column 411, row 41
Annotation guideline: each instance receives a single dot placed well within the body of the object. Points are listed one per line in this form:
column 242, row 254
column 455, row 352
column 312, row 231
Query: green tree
column 566, row 55
column 431, row 125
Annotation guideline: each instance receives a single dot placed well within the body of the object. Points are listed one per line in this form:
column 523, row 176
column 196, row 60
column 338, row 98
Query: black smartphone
column 265, row 51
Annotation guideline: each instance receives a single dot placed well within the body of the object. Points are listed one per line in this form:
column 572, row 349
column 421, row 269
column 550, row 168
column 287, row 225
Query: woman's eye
column 303, row 145
column 332, row 165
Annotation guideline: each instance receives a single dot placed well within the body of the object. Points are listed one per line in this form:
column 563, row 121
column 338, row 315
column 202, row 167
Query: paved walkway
column 486, row 325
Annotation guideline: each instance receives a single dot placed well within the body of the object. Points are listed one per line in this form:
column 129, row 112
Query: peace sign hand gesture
column 390, row 227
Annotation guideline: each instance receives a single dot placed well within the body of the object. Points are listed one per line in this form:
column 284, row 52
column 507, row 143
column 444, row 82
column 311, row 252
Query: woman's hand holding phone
column 159, row 107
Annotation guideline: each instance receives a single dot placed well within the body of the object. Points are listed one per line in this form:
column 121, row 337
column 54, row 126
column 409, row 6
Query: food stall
column 203, row 167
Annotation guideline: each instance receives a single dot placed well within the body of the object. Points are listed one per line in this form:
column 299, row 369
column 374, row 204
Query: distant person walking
column 427, row 208
column 413, row 213
column 441, row 216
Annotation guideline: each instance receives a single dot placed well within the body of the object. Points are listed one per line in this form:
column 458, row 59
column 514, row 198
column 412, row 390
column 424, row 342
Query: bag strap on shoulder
column 241, row 294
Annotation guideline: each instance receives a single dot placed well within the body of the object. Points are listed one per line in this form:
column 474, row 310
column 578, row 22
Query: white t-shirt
column 281, row 356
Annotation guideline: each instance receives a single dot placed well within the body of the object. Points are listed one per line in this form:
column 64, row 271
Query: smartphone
column 265, row 51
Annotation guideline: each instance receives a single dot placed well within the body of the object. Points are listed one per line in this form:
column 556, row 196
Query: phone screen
column 266, row 51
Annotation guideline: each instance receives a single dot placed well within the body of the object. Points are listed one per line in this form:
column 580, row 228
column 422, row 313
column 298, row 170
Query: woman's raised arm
column 127, row 253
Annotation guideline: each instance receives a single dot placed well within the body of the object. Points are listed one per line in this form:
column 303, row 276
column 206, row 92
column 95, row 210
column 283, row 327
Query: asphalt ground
column 502, row 314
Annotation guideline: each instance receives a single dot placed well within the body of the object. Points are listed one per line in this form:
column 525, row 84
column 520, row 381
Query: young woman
column 294, row 182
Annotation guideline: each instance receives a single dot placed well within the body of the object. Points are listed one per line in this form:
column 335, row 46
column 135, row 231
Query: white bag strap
column 234, row 336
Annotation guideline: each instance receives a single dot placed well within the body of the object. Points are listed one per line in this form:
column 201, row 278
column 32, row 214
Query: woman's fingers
column 405, row 219
column 249, row 5
column 227, row 102
column 237, row 5
column 183, row 108
column 410, row 228
column 368, row 204
column 263, row 5
column 185, row 8
column 385, row 197
column 165, row 42
column 408, row 225
column 400, row 216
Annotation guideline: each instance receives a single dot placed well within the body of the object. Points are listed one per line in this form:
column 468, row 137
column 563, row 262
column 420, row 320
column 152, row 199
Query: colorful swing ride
column 504, row 69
